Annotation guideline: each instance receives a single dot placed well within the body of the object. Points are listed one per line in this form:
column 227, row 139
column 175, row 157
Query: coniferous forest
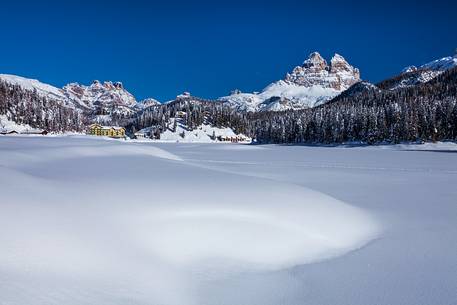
column 425, row 112
column 29, row 107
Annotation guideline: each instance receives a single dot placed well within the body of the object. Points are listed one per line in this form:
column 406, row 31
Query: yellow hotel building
column 108, row 131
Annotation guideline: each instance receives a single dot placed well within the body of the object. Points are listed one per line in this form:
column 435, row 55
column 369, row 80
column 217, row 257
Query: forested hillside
column 423, row 112
column 29, row 107
column 197, row 111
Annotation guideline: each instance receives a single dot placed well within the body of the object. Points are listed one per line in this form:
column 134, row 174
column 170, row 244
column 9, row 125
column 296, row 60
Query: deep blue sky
column 209, row 48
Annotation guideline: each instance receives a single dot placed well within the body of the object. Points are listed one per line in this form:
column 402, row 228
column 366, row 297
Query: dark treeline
column 28, row 107
column 425, row 112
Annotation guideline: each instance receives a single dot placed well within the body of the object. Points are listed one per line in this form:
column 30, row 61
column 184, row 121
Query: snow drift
column 106, row 221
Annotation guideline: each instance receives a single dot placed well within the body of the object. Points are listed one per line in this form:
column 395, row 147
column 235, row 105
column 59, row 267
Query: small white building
column 141, row 134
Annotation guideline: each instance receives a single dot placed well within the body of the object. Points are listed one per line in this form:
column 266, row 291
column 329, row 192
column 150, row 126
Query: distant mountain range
column 311, row 84
column 315, row 82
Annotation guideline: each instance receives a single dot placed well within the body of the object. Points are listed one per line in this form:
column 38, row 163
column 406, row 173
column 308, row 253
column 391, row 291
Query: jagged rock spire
column 315, row 61
column 315, row 71
column 339, row 63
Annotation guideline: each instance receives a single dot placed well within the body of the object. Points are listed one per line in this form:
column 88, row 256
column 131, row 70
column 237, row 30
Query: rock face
column 108, row 94
column 315, row 71
column 308, row 85
column 102, row 101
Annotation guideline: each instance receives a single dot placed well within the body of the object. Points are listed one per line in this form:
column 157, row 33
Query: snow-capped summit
column 338, row 64
column 409, row 69
column 148, row 102
column 98, row 100
column 183, row 95
column 412, row 75
column 315, row 61
column 308, row 85
column 441, row 64
column 80, row 96
column 42, row 89
column 437, row 65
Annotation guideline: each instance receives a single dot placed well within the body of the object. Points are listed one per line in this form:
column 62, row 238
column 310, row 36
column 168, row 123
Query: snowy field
column 92, row 221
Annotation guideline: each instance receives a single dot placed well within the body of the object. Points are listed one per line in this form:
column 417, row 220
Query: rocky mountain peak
column 113, row 85
column 311, row 84
column 148, row 102
column 119, row 85
column 98, row 95
column 315, row 71
column 315, row 62
column 339, row 64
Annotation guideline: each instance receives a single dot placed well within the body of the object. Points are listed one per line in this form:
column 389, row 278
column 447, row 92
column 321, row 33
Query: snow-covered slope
column 308, row 85
column 33, row 84
column 96, row 97
column 412, row 75
column 441, row 64
column 148, row 103
column 98, row 101
column 6, row 126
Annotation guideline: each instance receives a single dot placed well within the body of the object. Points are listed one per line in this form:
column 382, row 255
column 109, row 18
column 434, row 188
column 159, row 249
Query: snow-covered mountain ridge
column 308, row 85
column 315, row 82
column 98, row 101
column 29, row 84
column 107, row 94
column 412, row 75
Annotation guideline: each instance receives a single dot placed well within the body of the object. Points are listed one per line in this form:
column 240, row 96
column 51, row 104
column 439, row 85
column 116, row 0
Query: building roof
column 108, row 127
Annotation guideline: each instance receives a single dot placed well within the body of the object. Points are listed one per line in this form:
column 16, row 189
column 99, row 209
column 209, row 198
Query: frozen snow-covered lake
column 91, row 221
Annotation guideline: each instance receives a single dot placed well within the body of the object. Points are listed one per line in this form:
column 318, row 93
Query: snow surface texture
column 90, row 221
